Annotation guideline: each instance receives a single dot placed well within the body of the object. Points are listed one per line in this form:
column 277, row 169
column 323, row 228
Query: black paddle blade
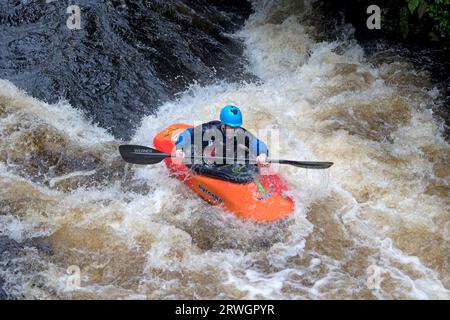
column 307, row 164
column 141, row 155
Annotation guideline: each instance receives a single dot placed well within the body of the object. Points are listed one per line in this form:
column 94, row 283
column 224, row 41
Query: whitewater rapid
column 376, row 225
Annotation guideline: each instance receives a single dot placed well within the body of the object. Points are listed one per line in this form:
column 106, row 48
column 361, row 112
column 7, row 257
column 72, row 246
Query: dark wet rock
column 10, row 249
column 13, row 247
column 3, row 295
column 128, row 57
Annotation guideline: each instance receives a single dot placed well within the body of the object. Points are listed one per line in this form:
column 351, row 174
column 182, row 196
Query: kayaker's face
column 229, row 130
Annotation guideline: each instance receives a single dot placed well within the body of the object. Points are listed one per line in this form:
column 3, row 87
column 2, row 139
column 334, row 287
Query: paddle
column 145, row 155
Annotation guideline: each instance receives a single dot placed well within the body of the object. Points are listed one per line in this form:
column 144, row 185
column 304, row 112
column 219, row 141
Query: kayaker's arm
column 183, row 143
column 184, row 139
column 258, row 147
column 243, row 147
column 260, row 150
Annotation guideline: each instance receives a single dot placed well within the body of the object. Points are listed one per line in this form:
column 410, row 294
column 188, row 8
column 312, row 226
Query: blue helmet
column 231, row 116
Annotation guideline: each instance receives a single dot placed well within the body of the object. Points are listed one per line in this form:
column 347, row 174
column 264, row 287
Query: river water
column 374, row 226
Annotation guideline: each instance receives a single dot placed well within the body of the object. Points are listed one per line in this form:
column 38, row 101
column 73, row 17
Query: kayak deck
column 261, row 200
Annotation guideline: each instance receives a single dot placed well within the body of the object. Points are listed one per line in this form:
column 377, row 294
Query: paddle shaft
column 145, row 155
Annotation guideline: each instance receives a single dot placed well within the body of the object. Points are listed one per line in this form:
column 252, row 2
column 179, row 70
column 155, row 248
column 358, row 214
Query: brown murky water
column 375, row 226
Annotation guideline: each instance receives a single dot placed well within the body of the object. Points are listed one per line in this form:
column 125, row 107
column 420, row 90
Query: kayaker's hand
column 261, row 160
column 179, row 157
column 180, row 154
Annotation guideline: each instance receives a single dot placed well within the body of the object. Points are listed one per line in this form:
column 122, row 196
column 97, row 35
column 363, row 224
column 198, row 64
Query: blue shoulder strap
column 181, row 137
column 258, row 147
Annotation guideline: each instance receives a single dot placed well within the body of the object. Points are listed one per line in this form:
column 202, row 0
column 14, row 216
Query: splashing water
column 67, row 199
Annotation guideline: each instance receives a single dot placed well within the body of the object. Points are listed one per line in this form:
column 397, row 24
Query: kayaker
column 225, row 138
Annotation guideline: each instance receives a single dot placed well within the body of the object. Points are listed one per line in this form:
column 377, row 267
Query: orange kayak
column 261, row 200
